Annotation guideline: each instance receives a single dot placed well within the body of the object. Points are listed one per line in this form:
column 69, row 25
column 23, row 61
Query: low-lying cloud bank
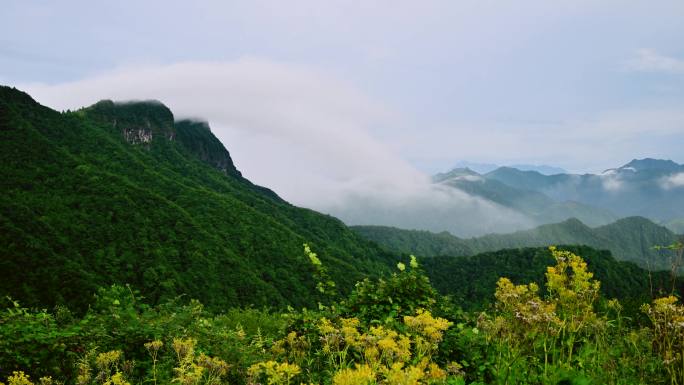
column 673, row 181
column 303, row 134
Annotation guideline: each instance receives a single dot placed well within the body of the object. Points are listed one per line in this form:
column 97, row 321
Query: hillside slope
column 120, row 193
column 471, row 280
column 629, row 239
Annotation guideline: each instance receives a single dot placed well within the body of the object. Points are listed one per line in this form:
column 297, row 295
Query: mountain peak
column 454, row 173
column 651, row 164
column 515, row 171
column 196, row 137
column 140, row 122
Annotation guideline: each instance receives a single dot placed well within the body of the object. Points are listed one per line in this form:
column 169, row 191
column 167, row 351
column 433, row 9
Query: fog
column 301, row 133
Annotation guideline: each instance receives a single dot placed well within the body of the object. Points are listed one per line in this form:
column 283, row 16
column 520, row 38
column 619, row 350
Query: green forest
column 133, row 251
column 628, row 239
column 393, row 330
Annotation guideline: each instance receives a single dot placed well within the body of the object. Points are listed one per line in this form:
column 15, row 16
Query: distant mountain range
column 652, row 188
column 628, row 239
column 484, row 168
column 534, row 204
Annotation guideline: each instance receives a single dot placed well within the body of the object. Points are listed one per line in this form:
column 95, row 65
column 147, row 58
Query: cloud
column 648, row 60
column 611, row 182
column 673, row 181
column 300, row 132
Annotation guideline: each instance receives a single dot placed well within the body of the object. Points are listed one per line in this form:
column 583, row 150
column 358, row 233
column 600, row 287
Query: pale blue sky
column 584, row 85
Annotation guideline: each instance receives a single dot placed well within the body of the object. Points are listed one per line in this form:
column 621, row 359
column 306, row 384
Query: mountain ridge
column 85, row 205
column 629, row 239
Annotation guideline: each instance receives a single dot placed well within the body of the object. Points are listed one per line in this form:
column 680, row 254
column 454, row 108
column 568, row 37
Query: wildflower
column 184, row 348
column 414, row 262
column 153, row 346
column 427, row 326
column 117, row 379
column 360, row 375
column 312, row 256
column 401, row 266
column 275, row 373
column 397, row 375
column 19, row 378
column 105, row 361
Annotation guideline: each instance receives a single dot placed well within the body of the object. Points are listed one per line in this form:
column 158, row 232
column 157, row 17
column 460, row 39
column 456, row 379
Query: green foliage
column 388, row 299
column 560, row 335
column 471, row 280
column 121, row 201
column 122, row 194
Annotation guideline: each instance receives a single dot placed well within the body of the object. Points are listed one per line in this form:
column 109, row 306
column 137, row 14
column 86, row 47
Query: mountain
column 471, row 280
column 651, row 188
column 537, row 206
column 675, row 225
column 122, row 193
column 628, row 239
column 542, row 169
column 650, row 164
column 484, row 168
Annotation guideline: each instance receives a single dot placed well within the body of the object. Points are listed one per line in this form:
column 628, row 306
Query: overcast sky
column 360, row 93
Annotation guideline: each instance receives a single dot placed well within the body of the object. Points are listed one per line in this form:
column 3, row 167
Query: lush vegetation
column 120, row 193
column 471, row 280
column 395, row 330
column 134, row 252
column 628, row 239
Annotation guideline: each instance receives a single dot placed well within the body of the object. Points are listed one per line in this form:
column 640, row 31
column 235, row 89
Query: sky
column 324, row 100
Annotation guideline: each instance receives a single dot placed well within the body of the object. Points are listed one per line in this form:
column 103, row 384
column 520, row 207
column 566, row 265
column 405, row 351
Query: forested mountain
column 629, row 239
column 122, row 193
column 471, row 280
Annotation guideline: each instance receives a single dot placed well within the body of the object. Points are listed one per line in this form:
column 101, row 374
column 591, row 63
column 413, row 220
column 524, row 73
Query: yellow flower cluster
column 20, row 378
column 195, row 369
column 522, row 305
column 153, row 346
column 116, row 379
column 573, row 288
column 360, row 375
column 427, row 326
column 667, row 317
column 293, row 346
column 106, row 361
column 381, row 354
column 275, row 373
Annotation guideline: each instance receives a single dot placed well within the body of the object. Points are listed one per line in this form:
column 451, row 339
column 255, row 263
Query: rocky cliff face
column 139, row 123
column 197, row 138
column 144, row 122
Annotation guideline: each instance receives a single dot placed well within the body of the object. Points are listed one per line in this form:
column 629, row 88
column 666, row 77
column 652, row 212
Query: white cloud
column 673, row 181
column 648, row 60
column 611, row 182
column 471, row 178
column 301, row 133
